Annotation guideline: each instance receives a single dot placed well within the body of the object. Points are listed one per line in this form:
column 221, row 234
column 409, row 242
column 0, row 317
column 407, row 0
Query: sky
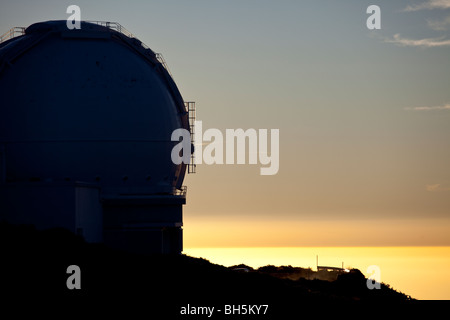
column 363, row 114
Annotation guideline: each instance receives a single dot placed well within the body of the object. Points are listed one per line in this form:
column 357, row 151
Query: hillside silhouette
column 34, row 264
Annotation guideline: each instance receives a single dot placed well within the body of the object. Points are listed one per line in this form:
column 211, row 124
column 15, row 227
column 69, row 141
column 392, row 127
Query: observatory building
column 86, row 117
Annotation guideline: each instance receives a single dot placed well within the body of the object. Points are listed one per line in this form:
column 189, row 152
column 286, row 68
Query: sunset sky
column 364, row 115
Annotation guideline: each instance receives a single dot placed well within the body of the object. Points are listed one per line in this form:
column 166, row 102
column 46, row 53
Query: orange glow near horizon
column 249, row 232
column 413, row 254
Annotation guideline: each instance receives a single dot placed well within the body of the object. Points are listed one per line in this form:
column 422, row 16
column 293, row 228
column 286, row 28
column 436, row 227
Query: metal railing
column 116, row 27
column 180, row 192
column 12, row 33
column 190, row 107
column 119, row 28
column 160, row 58
column 18, row 31
column 113, row 26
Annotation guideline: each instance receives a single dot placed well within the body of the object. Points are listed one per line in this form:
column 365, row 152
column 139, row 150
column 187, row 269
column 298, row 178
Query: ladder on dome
column 190, row 106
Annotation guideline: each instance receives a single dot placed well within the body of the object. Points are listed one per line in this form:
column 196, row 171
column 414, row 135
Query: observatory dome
column 91, row 105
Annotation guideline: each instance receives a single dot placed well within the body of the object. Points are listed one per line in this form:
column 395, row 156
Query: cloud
column 429, row 5
column 425, row 43
column 439, row 25
column 436, row 187
column 444, row 107
column 432, row 187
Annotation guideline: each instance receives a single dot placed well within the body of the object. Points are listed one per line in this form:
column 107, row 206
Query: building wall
column 71, row 205
column 142, row 224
